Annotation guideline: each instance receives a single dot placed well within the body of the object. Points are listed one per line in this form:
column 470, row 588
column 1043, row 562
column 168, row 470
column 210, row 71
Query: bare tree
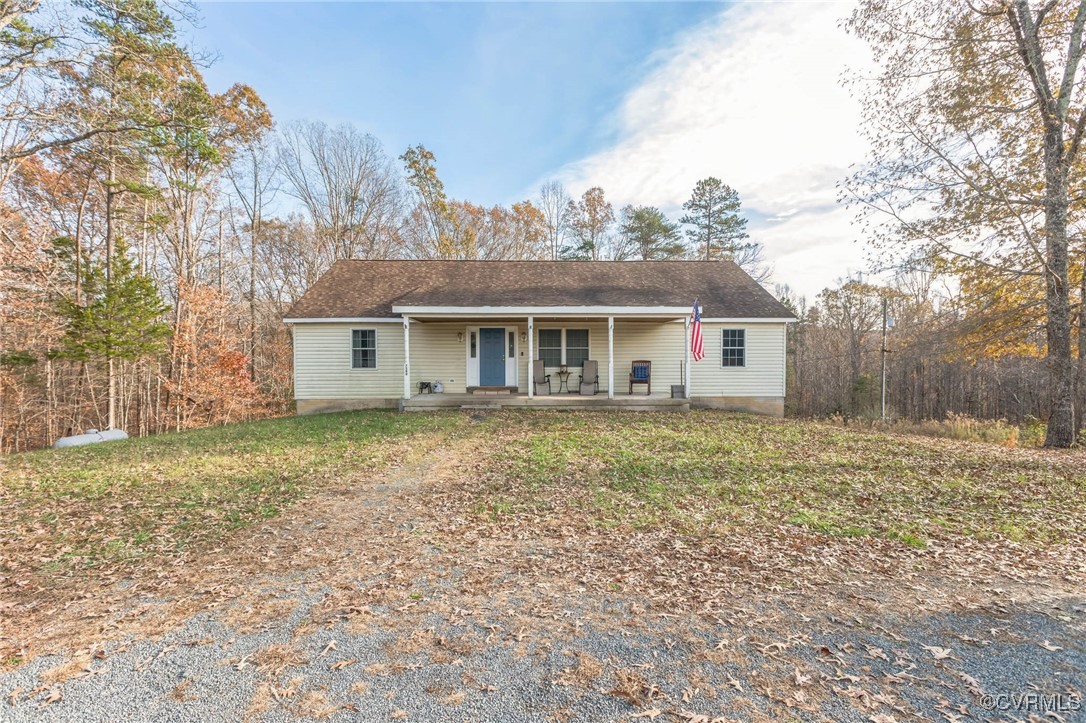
column 349, row 186
column 589, row 221
column 751, row 258
column 255, row 181
column 553, row 201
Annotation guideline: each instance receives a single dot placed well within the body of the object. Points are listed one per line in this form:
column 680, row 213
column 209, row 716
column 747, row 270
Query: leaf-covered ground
column 574, row 566
column 98, row 510
column 707, row 474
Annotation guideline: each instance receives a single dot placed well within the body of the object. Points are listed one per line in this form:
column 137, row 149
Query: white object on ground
column 91, row 436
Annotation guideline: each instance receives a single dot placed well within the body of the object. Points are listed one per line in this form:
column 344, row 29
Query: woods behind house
column 155, row 231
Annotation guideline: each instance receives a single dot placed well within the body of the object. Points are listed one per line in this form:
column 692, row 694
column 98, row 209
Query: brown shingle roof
column 360, row 288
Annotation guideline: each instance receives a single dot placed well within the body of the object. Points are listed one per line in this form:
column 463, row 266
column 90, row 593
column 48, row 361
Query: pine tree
column 717, row 227
column 649, row 235
column 120, row 319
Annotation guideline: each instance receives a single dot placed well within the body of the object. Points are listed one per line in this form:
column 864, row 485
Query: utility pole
column 884, row 352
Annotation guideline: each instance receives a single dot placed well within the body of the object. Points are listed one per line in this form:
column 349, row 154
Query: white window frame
column 376, row 347
column 564, row 345
column 561, row 344
column 565, row 342
column 722, row 348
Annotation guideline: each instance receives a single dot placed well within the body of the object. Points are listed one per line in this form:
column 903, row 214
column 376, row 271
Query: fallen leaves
column 55, row 695
column 939, row 653
column 633, row 688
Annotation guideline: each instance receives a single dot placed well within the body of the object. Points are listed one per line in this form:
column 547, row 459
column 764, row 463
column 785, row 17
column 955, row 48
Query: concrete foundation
column 320, row 406
column 769, row 406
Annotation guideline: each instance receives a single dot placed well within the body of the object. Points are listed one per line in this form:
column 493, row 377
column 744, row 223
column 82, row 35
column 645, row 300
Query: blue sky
column 503, row 93
column 642, row 99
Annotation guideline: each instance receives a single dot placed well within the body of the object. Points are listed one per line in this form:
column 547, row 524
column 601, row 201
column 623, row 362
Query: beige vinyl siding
column 322, row 363
column 322, row 358
column 438, row 356
column 659, row 342
column 763, row 375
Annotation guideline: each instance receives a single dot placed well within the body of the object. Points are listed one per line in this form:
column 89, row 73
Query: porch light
column 460, row 336
column 524, row 336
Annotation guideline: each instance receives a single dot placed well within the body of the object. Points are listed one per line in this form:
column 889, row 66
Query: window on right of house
column 734, row 350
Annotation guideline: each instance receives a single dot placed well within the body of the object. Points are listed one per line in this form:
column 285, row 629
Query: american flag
column 697, row 343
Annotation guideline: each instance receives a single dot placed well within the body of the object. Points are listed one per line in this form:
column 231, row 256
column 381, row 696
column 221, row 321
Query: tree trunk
column 1061, row 422
column 1080, row 377
column 254, row 234
column 111, row 404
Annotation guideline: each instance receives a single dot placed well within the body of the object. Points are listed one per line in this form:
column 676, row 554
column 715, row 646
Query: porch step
column 491, row 391
column 484, row 407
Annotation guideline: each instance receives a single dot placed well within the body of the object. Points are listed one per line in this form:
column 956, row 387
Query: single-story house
column 421, row 334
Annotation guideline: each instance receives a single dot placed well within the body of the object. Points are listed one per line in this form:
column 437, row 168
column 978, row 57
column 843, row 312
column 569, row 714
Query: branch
column 1027, row 45
column 62, row 142
column 1076, row 140
column 1074, row 57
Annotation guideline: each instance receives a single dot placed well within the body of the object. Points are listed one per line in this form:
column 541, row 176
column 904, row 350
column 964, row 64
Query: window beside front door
column 550, row 347
column 563, row 346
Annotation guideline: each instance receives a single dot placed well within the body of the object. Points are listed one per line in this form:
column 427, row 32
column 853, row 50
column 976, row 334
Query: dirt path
column 359, row 604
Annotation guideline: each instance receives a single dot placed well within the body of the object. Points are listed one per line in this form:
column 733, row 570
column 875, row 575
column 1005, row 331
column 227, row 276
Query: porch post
column 686, row 366
column 407, row 357
column 610, row 357
column 531, row 357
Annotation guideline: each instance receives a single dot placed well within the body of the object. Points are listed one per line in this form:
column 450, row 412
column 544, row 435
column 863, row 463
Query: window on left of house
column 363, row 348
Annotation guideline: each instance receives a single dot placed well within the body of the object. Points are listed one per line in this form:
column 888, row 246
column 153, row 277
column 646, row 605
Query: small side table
column 563, row 380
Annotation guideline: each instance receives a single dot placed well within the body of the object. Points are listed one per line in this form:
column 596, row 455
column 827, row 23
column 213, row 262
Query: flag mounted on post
column 697, row 343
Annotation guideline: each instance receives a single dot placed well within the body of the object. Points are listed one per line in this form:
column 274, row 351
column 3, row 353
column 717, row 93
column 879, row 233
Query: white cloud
column 752, row 97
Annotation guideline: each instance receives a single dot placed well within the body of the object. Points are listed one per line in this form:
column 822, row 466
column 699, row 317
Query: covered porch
column 486, row 356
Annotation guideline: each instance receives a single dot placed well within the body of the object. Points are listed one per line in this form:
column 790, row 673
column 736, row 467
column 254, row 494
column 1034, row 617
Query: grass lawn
column 93, row 513
column 84, row 510
column 706, row 473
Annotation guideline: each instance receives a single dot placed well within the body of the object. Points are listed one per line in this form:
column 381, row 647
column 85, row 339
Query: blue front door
column 492, row 357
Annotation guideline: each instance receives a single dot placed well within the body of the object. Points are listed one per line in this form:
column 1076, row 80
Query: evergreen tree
column 121, row 317
column 648, row 234
column 717, row 227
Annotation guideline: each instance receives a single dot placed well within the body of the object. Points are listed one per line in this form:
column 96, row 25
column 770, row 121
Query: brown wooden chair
column 641, row 373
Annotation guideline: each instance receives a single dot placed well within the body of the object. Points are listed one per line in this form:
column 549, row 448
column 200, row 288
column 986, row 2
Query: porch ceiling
column 511, row 317
column 436, row 318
